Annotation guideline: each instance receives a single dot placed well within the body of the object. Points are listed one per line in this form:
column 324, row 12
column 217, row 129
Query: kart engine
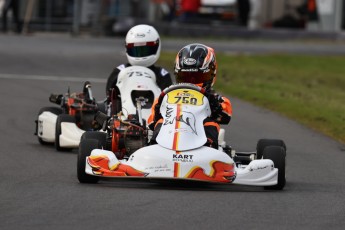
column 82, row 106
column 127, row 137
column 134, row 139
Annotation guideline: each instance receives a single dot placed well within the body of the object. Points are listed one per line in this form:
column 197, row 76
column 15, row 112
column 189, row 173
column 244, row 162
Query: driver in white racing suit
column 143, row 47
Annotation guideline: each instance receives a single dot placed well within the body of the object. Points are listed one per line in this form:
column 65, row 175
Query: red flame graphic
column 222, row 172
column 99, row 165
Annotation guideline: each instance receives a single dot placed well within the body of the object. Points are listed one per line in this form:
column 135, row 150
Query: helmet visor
column 194, row 77
column 142, row 49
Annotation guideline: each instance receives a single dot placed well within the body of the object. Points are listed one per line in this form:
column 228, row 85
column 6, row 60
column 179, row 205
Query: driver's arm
column 154, row 116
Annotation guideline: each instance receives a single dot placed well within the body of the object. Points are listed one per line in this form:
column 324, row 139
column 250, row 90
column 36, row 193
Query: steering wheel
column 180, row 86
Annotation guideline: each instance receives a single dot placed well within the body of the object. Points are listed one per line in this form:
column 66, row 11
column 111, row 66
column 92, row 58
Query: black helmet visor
column 142, row 49
column 197, row 77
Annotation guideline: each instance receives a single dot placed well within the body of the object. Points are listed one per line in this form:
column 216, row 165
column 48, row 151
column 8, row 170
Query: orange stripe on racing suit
column 212, row 123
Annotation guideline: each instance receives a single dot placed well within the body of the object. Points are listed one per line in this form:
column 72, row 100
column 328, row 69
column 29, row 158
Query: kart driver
column 143, row 47
column 203, row 74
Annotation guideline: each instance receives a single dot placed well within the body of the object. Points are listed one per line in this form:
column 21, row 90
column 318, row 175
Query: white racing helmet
column 143, row 45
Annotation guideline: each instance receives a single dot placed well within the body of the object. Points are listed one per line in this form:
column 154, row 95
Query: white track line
column 51, row 78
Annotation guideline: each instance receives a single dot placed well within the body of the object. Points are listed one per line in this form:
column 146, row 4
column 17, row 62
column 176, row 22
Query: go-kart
column 64, row 125
column 181, row 153
column 124, row 127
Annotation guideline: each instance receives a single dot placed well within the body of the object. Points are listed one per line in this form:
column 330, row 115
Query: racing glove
column 158, row 114
column 216, row 107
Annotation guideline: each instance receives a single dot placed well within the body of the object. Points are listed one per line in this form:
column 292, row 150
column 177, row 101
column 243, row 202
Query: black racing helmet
column 196, row 64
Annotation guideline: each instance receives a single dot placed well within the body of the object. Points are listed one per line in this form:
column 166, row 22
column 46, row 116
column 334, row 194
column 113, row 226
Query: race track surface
column 39, row 188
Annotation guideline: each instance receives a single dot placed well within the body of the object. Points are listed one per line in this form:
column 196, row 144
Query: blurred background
column 173, row 17
column 71, row 41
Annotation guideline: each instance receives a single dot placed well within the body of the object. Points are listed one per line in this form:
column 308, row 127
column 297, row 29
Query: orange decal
column 177, row 126
column 220, row 172
column 99, row 165
column 176, row 169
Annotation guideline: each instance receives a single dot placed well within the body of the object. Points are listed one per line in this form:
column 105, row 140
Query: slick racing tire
column 263, row 143
column 101, row 137
column 54, row 110
column 62, row 118
column 85, row 148
column 278, row 155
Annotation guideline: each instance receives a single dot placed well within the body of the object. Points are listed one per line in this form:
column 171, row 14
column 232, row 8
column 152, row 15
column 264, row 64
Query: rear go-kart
column 124, row 128
column 181, row 153
column 64, row 125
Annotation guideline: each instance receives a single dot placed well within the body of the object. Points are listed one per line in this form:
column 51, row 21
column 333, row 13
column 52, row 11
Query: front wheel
column 263, row 143
column 62, row 118
column 278, row 155
column 100, row 136
column 85, row 148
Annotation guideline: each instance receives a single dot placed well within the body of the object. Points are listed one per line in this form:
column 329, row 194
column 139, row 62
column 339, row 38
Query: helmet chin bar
column 143, row 61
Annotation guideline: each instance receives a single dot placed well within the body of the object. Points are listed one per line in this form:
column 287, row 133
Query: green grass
column 308, row 89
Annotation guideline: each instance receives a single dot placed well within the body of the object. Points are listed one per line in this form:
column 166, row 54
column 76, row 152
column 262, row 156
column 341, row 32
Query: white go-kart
column 181, row 153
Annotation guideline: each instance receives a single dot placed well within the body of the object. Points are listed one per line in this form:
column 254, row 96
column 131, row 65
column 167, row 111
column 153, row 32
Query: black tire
column 278, row 155
column 263, row 143
column 85, row 148
column 54, row 110
column 62, row 118
column 100, row 136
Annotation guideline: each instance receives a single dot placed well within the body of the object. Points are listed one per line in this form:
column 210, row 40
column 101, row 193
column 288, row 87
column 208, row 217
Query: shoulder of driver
column 160, row 71
column 121, row 67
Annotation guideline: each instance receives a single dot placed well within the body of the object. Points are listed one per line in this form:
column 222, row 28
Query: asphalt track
column 39, row 187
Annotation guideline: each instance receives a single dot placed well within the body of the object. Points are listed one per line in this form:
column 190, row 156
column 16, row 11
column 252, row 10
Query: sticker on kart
column 183, row 96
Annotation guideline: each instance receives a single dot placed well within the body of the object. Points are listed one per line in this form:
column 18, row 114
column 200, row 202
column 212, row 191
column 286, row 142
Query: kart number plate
column 185, row 96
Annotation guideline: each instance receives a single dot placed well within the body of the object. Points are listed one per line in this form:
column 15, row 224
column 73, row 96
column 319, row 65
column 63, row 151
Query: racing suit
column 221, row 115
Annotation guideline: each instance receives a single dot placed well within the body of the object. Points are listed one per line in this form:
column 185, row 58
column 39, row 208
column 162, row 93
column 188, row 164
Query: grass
column 308, row 89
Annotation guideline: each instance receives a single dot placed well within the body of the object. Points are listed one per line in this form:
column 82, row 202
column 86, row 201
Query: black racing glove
column 158, row 114
column 215, row 104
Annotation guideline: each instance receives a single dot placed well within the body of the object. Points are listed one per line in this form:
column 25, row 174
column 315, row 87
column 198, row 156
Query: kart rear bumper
column 46, row 126
column 70, row 135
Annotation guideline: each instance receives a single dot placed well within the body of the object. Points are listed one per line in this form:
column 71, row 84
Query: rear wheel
column 55, row 110
column 263, row 143
column 85, row 148
column 62, row 118
column 278, row 155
